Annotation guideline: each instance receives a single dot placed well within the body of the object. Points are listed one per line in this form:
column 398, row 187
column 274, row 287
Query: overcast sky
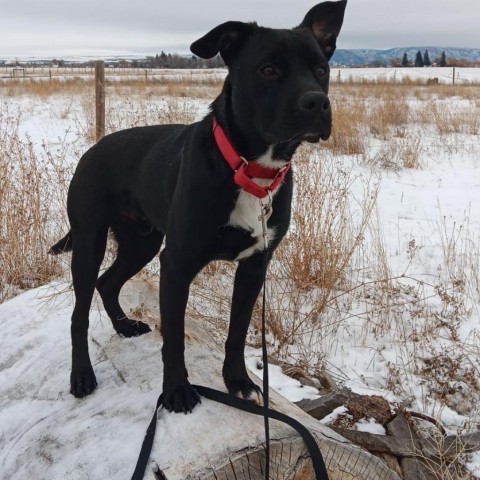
column 66, row 27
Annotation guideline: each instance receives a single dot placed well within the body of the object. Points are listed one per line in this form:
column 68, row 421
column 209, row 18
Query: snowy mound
column 47, row 433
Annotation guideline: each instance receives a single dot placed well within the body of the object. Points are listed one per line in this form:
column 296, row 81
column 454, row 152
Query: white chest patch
column 247, row 211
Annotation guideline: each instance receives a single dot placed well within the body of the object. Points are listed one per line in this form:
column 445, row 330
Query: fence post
column 453, row 75
column 99, row 99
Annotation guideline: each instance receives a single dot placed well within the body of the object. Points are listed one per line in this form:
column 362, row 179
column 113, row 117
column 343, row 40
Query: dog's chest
column 246, row 214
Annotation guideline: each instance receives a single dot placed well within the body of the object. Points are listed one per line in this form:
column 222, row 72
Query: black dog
column 175, row 181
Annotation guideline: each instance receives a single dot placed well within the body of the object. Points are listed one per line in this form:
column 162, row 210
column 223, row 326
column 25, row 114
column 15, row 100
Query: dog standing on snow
column 201, row 187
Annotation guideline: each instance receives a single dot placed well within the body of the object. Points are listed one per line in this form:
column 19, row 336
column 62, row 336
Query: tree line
column 160, row 60
column 164, row 60
column 424, row 60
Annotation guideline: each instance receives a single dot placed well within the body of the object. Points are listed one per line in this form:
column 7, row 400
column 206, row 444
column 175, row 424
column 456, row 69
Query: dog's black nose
column 314, row 102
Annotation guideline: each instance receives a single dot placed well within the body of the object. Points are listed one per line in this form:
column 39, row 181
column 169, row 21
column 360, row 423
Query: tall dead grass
column 44, row 88
column 317, row 258
column 449, row 119
column 349, row 120
column 170, row 86
column 30, row 188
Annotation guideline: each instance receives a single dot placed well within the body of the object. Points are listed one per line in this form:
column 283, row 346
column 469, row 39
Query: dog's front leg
column 248, row 283
column 175, row 278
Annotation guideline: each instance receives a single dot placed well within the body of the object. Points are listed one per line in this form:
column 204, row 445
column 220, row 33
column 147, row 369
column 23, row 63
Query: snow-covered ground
column 445, row 75
column 414, row 340
column 46, row 433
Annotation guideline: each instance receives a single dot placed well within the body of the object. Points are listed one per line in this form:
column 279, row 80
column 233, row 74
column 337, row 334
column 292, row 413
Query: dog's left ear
column 325, row 21
column 226, row 39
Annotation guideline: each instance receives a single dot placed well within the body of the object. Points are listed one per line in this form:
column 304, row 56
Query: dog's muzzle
column 314, row 109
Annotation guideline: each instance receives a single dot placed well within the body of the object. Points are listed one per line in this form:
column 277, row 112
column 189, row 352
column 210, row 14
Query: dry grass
column 31, row 186
column 444, row 463
column 385, row 115
column 44, row 88
column 315, row 260
column 171, row 86
column 449, row 119
column 348, row 127
column 396, row 155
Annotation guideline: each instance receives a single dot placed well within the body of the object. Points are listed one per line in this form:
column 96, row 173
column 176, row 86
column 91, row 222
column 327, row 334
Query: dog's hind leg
column 134, row 252
column 88, row 251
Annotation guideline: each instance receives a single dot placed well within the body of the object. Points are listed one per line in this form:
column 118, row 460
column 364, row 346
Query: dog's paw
column 130, row 328
column 82, row 382
column 182, row 398
column 246, row 389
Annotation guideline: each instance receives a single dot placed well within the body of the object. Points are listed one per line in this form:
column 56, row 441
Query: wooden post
column 99, row 99
column 453, row 76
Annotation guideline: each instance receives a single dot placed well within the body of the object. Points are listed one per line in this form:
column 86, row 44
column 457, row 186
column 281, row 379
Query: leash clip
column 266, row 211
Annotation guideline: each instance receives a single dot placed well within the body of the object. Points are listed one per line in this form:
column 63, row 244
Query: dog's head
column 279, row 78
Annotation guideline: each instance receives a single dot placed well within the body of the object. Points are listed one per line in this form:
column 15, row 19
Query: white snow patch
column 370, row 425
column 286, row 386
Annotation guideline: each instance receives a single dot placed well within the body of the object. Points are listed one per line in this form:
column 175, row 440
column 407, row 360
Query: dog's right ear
column 226, row 39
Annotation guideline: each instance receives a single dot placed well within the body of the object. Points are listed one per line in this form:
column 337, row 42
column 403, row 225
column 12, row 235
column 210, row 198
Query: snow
column 286, row 386
column 444, row 74
column 474, row 464
column 369, row 425
column 46, row 432
column 339, row 411
column 424, row 213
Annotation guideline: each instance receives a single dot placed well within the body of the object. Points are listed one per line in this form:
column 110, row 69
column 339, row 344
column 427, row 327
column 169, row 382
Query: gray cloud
column 31, row 27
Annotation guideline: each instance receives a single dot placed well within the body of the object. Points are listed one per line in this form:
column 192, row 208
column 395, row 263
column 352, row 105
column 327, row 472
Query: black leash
column 266, row 212
column 242, row 404
column 266, row 399
column 147, row 444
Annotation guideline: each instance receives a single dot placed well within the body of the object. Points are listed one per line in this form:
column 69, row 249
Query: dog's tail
column 64, row 245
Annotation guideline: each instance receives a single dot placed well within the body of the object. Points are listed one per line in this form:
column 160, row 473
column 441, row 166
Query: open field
column 445, row 75
column 378, row 281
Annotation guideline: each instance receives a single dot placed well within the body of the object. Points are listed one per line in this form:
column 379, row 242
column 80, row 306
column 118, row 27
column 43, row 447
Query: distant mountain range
column 364, row 57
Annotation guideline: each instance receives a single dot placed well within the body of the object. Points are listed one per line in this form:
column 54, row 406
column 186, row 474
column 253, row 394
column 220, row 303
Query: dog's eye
column 321, row 71
column 268, row 71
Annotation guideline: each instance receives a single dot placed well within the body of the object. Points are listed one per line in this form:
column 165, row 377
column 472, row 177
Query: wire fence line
column 114, row 74
column 444, row 75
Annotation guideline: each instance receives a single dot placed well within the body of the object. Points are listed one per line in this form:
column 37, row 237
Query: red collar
column 245, row 171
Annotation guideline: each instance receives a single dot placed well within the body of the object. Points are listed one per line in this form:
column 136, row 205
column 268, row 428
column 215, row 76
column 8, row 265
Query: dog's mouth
column 315, row 137
column 310, row 137
column 316, row 134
